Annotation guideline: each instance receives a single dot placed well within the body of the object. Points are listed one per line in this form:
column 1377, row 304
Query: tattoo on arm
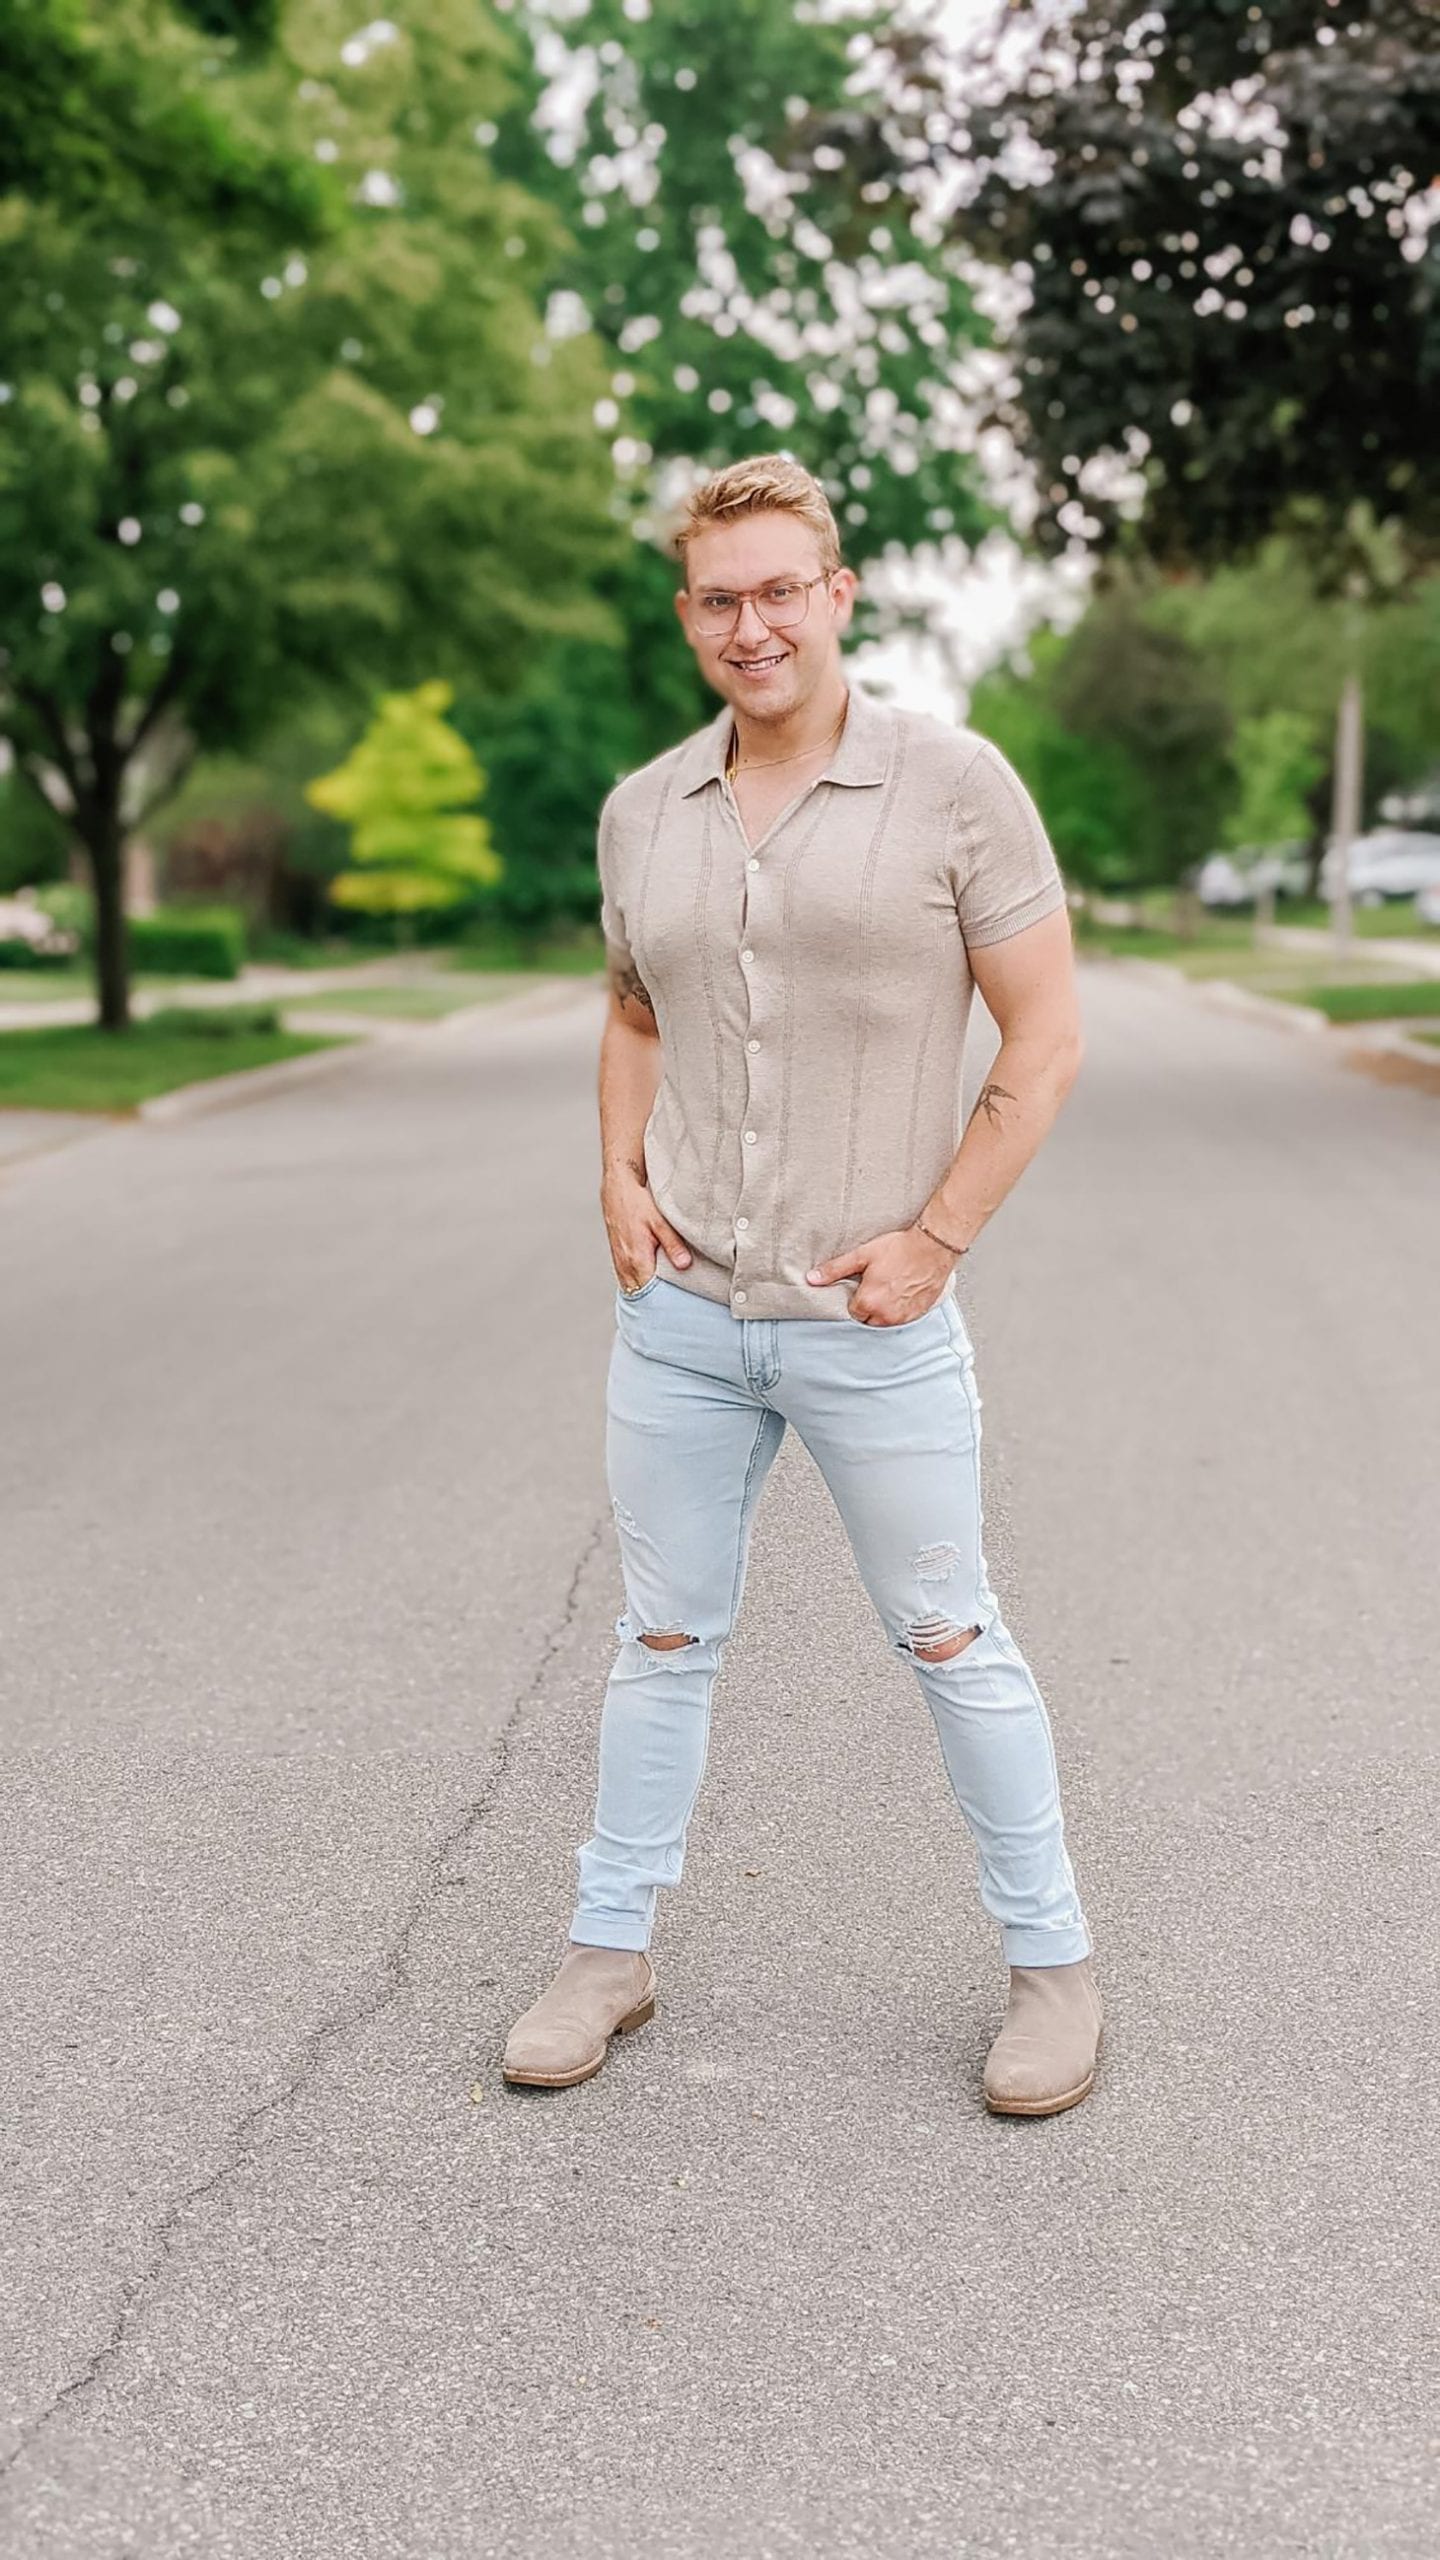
column 628, row 986
column 987, row 1100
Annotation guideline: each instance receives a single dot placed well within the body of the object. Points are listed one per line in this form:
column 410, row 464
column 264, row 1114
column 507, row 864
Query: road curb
column 248, row 1084
column 253, row 1084
column 1222, row 994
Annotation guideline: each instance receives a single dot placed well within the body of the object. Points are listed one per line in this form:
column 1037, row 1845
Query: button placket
column 750, row 1135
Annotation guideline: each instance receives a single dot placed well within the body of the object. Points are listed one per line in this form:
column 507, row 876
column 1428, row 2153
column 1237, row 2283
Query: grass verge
column 79, row 1068
column 1230, row 951
column 1391, row 1003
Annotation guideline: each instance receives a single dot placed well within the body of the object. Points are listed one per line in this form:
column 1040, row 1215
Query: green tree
column 33, row 842
column 241, row 464
column 1278, row 647
column 588, row 713
column 758, row 270
column 108, row 112
column 1094, row 800
column 1277, row 765
column 401, row 791
column 1145, row 692
column 1123, row 733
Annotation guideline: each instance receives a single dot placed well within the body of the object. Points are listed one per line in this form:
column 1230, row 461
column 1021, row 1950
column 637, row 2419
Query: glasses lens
column 784, row 604
column 781, row 604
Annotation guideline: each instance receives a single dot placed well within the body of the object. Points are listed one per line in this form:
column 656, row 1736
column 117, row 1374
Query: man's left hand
column 902, row 1274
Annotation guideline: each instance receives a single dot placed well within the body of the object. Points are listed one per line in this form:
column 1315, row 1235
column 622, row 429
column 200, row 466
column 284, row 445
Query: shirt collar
column 861, row 758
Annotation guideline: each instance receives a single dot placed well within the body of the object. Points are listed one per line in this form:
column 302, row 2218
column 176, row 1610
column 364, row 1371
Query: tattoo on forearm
column 628, row 985
column 637, row 1167
column 988, row 1099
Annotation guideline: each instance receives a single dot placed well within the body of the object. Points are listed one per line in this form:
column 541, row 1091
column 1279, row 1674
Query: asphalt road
column 308, row 1582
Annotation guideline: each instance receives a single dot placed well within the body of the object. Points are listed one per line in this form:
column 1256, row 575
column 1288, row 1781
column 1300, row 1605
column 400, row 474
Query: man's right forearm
column 631, row 1066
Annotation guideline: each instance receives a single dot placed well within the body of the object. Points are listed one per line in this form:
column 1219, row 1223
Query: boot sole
column 638, row 2017
column 1047, row 2106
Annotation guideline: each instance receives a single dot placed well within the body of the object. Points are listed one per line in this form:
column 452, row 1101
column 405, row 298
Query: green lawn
column 78, row 1068
column 423, row 1000
column 1395, row 921
column 1395, row 1002
column 1230, row 951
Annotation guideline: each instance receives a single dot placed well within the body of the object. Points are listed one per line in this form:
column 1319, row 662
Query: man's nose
column 751, row 627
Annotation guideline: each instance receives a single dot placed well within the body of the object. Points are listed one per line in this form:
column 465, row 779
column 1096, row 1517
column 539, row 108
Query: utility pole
column 1345, row 803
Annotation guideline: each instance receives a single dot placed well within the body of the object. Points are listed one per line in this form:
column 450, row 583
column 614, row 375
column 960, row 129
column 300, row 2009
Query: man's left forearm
column 1013, row 1113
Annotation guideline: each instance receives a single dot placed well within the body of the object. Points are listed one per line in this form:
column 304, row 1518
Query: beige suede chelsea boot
column 597, row 1993
column 1043, row 2059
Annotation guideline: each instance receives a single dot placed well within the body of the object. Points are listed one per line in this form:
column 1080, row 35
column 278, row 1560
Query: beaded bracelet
column 930, row 1232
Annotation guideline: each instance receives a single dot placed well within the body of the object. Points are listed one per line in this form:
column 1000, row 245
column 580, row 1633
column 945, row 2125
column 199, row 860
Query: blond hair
column 765, row 484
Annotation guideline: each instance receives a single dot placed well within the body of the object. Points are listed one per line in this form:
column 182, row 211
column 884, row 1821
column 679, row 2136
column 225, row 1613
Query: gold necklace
column 762, row 764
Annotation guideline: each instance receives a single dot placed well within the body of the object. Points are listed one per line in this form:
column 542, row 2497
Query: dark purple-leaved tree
column 1224, row 219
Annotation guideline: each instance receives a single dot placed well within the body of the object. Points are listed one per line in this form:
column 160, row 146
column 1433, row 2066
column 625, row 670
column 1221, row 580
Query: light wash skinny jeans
column 697, row 1404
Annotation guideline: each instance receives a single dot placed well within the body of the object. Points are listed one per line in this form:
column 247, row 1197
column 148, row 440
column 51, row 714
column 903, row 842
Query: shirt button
column 752, row 864
column 742, row 1222
column 747, row 955
column 752, row 1044
column 739, row 1297
column 749, row 1137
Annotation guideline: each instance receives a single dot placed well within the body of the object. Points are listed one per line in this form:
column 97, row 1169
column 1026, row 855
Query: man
column 796, row 904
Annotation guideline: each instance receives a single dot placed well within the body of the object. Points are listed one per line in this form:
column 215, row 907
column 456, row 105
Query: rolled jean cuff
column 1046, row 1946
column 630, row 1936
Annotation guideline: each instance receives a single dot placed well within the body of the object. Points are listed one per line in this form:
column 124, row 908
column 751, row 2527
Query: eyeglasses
column 781, row 604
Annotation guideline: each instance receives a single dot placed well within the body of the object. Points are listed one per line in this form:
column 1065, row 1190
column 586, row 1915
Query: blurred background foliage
column 342, row 356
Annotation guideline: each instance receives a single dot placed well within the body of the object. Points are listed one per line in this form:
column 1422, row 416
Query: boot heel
column 638, row 2017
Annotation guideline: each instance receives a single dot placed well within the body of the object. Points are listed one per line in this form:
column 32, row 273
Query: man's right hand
column 636, row 1228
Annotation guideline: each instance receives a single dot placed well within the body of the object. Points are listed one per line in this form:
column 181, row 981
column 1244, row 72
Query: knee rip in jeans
column 937, row 1639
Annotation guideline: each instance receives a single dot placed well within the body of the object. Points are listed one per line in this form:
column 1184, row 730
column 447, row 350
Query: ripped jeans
column 698, row 1401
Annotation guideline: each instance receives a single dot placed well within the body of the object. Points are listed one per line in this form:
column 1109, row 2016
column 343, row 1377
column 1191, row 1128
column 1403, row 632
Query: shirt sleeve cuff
column 999, row 928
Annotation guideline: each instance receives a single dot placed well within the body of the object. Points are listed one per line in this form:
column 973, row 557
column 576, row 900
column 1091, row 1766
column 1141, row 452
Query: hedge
column 189, row 942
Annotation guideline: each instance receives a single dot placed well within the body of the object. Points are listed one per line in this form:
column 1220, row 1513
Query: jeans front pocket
column 627, row 1297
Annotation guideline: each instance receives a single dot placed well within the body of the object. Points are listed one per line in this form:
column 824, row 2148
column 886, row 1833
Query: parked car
column 1427, row 904
column 1393, row 862
column 1238, row 879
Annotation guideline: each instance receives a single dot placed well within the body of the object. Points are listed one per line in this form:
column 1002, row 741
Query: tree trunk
column 105, row 844
column 1185, row 912
column 1345, row 823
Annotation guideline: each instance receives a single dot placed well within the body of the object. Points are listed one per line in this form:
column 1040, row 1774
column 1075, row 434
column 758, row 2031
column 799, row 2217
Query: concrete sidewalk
column 257, row 984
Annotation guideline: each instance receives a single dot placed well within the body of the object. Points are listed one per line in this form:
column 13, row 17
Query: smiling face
column 765, row 675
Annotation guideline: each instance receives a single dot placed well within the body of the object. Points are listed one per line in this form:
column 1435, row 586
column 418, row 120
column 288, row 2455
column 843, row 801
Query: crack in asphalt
column 322, row 2042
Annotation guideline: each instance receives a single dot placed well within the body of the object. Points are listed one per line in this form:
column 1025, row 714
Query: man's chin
column 761, row 697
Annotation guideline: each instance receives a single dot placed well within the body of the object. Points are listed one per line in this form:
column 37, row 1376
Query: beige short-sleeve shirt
column 812, row 990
